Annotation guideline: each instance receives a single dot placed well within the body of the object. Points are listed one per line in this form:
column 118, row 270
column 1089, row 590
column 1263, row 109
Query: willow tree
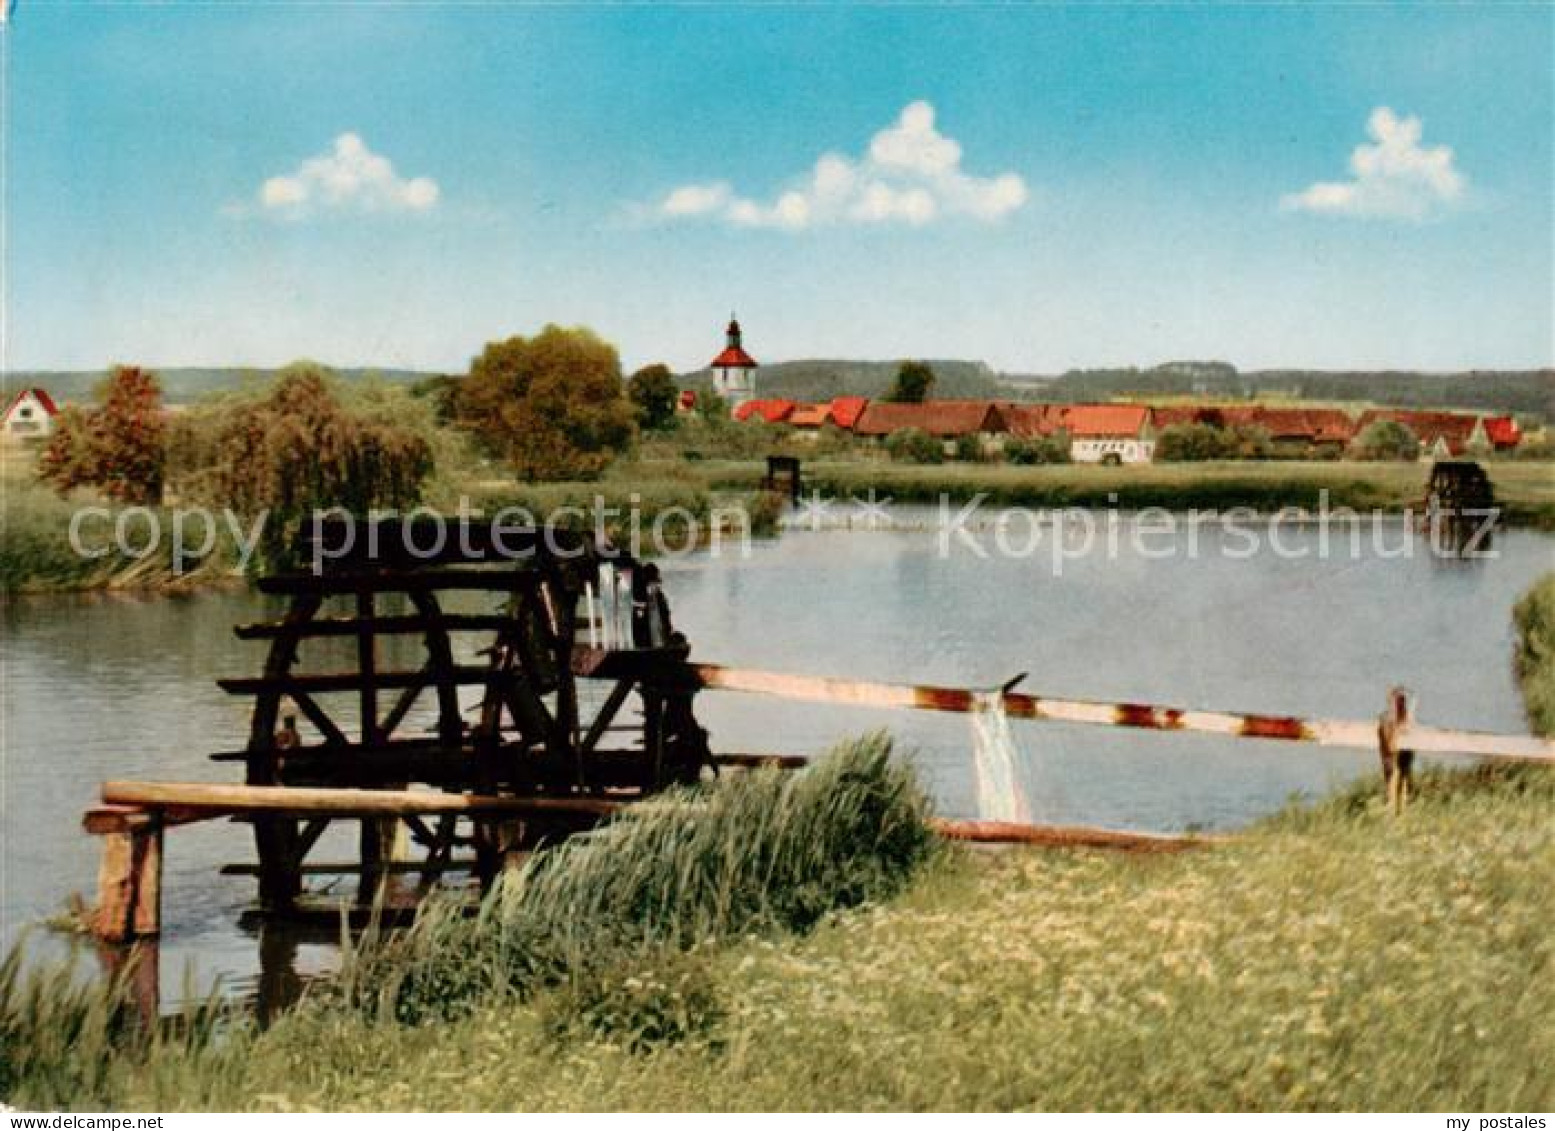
column 553, row 406
column 298, row 449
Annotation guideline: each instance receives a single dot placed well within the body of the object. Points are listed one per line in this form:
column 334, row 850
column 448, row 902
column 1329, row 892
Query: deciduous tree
column 914, row 382
column 554, row 405
column 653, row 390
column 118, row 447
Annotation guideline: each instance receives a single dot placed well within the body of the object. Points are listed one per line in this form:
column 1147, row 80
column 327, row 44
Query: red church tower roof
column 734, row 356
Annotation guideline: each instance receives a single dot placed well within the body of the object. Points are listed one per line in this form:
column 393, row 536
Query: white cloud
column 349, row 177
column 911, row 175
column 1395, row 177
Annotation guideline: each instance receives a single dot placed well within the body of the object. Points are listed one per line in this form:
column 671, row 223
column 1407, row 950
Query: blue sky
column 1040, row 187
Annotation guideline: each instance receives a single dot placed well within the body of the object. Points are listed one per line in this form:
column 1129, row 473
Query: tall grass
column 759, row 853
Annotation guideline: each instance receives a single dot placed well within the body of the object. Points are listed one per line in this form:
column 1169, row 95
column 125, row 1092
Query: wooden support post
column 1397, row 765
column 129, row 882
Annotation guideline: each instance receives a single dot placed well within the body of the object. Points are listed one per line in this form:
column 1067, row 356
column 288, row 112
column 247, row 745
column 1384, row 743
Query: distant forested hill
column 179, row 385
column 822, row 380
column 1527, row 391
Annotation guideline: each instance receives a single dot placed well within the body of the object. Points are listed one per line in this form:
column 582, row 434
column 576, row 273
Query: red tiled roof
column 1029, row 420
column 43, row 399
column 809, row 415
column 734, row 358
column 1314, row 425
column 1503, row 431
column 1105, row 419
column 1452, row 428
column 937, row 418
column 772, row 410
column 845, row 411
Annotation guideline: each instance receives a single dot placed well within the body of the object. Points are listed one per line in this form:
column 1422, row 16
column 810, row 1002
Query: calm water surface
column 110, row 686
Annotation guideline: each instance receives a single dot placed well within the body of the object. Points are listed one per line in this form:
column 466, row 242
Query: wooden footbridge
column 513, row 622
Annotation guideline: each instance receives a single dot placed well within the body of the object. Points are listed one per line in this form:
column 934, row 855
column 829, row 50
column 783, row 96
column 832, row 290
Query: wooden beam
column 383, row 626
column 129, row 884
column 466, row 674
column 340, row 802
column 343, row 868
column 1350, row 733
column 490, row 580
column 1064, row 836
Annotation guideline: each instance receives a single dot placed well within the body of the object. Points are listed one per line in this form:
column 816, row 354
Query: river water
column 116, row 686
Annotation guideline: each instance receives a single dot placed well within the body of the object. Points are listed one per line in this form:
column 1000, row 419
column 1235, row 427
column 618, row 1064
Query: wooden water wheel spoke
column 402, row 707
column 440, row 665
column 332, row 734
column 607, row 713
column 367, row 664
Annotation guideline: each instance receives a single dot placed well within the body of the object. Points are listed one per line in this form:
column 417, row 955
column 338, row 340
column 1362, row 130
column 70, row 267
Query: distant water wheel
column 517, row 731
column 1460, row 512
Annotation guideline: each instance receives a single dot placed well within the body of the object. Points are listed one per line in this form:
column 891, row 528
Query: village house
column 947, row 421
column 29, row 416
column 1109, row 433
column 1293, row 432
column 1442, row 435
column 1503, row 432
column 774, row 410
column 839, row 412
column 1098, row 433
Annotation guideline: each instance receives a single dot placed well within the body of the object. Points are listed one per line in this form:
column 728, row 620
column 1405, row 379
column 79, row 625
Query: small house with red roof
column 734, row 370
column 809, row 417
column 1442, row 435
column 948, row 421
column 29, row 415
column 1502, row 432
column 773, row 410
column 1109, row 433
column 845, row 411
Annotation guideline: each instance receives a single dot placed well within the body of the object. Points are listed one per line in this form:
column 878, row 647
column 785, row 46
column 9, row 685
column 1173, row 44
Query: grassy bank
column 687, row 498
column 674, row 506
column 1330, row 958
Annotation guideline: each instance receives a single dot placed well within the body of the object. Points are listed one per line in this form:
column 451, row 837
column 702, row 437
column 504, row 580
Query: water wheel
column 507, row 620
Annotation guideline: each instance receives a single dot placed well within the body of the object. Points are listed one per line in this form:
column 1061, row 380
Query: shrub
column 913, row 445
column 1387, row 440
column 1534, row 657
column 1182, row 443
column 1037, row 449
column 969, row 449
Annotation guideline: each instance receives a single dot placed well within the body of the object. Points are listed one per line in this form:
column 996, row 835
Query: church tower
column 734, row 370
